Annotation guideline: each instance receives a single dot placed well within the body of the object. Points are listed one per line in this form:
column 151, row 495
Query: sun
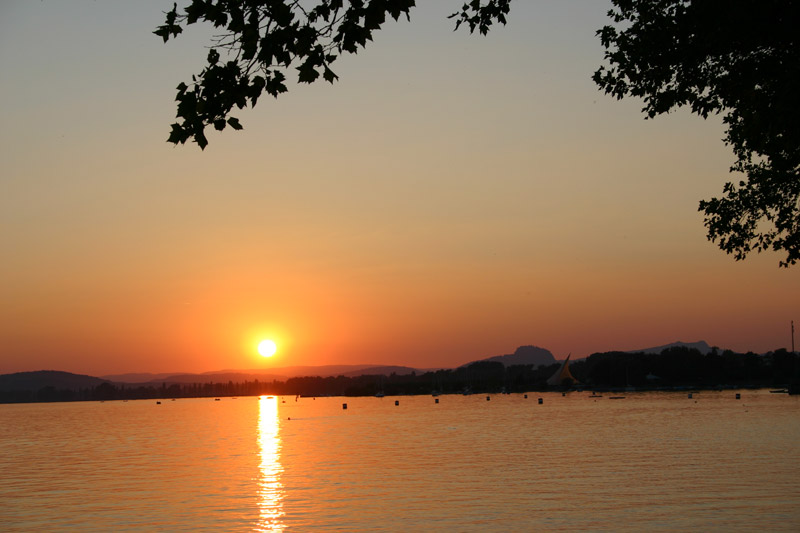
column 267, row 348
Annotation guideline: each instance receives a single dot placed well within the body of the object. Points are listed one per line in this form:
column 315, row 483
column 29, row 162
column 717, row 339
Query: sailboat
column 563, row 373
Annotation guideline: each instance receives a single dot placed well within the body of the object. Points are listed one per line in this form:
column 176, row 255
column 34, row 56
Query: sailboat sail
column 563, row 373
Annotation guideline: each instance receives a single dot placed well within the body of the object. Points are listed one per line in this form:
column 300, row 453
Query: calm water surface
column 651, row 461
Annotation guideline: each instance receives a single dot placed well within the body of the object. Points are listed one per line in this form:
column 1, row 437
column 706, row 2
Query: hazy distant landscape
column 677, row 365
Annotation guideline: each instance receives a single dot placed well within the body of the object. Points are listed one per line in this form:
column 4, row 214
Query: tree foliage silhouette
column 739, row 59
column 265, row 38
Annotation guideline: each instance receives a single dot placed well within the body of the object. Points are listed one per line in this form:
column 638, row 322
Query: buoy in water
column 488, row 398
column 344, row 406
column 738, row 396
column 397, row 402
column 436, row 400
column 526, row 396
column 541, row 401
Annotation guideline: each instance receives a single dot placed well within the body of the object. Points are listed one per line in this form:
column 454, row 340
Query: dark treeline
column 684, row 367
column 673, row 368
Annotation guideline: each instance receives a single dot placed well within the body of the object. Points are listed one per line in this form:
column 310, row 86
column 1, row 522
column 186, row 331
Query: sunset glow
column 462, row 268
column 267, row 348
column 456, row 206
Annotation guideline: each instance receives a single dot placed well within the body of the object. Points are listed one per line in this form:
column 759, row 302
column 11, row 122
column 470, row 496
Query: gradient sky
column 451, row 198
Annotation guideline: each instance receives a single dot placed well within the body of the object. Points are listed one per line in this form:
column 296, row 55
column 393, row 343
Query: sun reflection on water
column 270, row 489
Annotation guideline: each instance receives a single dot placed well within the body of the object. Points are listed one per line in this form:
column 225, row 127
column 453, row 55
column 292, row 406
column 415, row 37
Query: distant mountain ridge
column 139, row 377
column 700, row 346
column 48, row 378
column 216, row 377
column 384, row 371
column 524, row 355
column 267, row 374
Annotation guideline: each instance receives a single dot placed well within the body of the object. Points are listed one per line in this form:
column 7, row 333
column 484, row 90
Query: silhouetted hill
column 270, row 374
column 216, row 377
column 307, row 370
column 139, row 377
column 47, row 378
column 382, row 371
column 524, row 355
column 527, row 369
column 333, row 370
column 700, row 346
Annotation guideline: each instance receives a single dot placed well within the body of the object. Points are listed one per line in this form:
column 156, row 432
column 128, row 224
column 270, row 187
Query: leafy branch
column 264, row 39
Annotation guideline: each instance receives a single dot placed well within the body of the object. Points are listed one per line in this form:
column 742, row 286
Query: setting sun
column 267, row 348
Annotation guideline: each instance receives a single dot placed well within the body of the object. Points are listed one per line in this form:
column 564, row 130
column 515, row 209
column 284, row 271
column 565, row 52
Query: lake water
column 651, row 461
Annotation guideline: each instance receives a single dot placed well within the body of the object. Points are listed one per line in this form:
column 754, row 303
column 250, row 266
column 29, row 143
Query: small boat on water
column 780, row 391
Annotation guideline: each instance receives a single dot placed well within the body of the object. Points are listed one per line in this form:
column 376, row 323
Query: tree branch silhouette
column 265, row 39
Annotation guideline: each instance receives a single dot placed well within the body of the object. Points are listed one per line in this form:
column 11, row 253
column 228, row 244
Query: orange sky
column 451, row 198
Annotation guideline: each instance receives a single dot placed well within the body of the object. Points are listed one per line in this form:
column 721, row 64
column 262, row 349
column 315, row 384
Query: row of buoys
column 540, row 400
column 436, row 400
column 488, row 398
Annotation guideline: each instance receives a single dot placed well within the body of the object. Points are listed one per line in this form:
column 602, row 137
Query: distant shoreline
column 674, row 369
column 105, row 395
